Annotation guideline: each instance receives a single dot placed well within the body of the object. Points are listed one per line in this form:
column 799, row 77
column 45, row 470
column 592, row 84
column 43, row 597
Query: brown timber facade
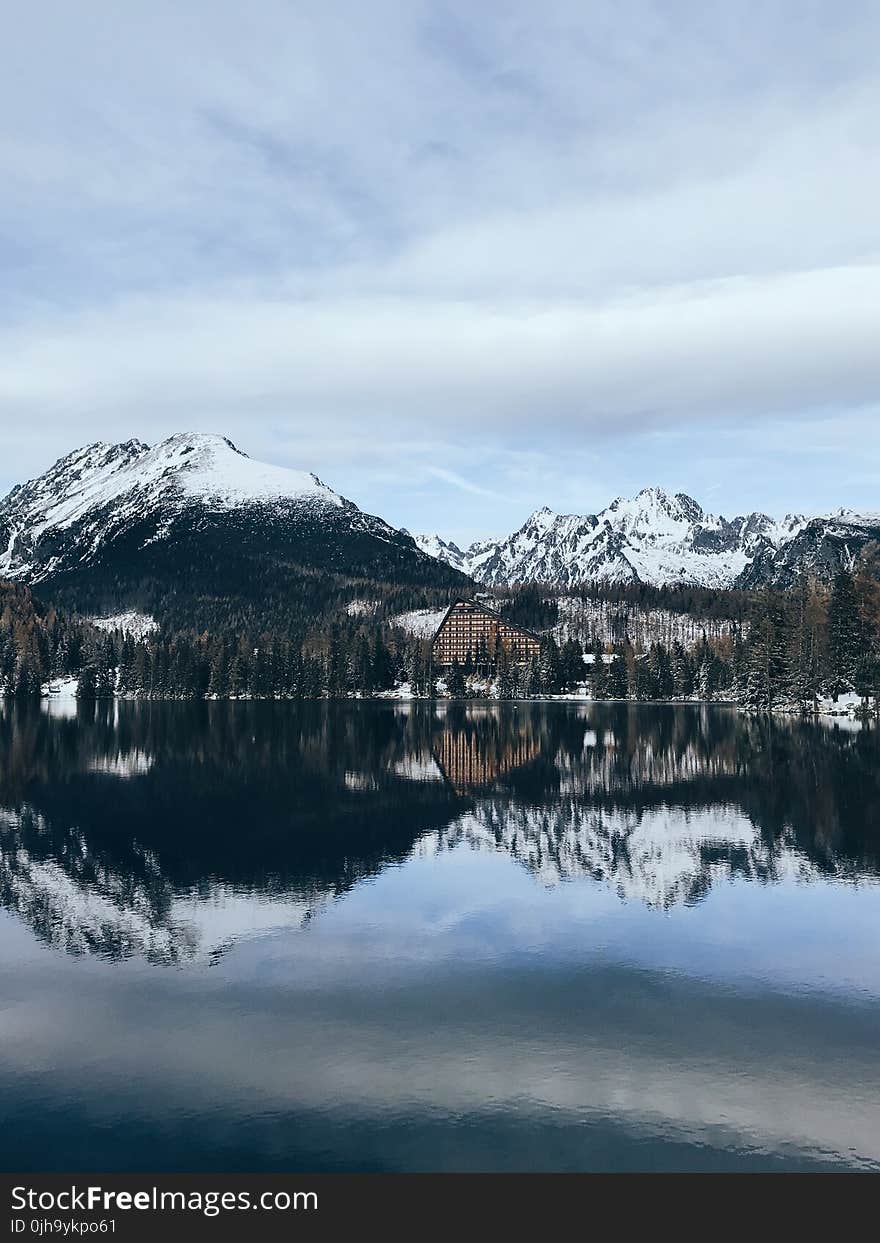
column 471, row 630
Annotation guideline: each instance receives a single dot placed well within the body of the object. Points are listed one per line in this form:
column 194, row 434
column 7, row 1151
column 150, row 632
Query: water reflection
column 168, row 832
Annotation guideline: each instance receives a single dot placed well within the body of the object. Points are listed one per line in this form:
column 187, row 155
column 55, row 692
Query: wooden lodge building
column 471, row 629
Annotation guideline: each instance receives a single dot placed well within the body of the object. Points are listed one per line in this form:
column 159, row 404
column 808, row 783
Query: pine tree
column 805, row 645
column 704, row 685
column 599, row 673
column 572, row 670
column 126, row 674
column 768, row 677
column 455, row 684
column 661, row 669
column 618, row 681
column 383, row 673
column 682, row 672
column 105, row 674
column 26, row 681
column 362, row 666
column 506, row 686
column 844, row 632
column 86, row 683
column 548, row 676
column 218, row 683
column 335, row 676
column 739, row 671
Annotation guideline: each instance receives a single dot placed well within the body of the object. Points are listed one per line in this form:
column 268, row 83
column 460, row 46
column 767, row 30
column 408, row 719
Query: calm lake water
column 437, row 937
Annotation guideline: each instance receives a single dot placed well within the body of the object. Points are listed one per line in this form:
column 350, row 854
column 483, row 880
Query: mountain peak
column 105, row 488
column 192, row 508
column 199, row 440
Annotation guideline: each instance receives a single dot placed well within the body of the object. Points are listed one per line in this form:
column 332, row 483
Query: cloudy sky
column 462, row 260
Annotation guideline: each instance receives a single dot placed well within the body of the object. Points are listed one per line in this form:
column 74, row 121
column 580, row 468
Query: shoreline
column 850, row 710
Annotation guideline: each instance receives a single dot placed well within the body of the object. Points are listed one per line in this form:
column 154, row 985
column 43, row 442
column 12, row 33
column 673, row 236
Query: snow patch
column 361, row 608
column 135, row 625
column 420, row 622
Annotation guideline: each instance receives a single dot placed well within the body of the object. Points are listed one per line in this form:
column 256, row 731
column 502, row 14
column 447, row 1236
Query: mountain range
column 194, row 518
column 662, row 539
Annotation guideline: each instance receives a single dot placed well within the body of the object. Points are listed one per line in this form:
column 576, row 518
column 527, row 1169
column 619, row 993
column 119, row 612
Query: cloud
column 768, row 345
column 457, row 481
column 514, row 223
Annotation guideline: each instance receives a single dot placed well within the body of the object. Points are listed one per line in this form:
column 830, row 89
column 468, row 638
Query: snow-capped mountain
column 818, row 546
column 98, row 490
column 193, row 513
column 659, row 539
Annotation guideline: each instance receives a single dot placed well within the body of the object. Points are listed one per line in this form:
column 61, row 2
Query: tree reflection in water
column 124, row 827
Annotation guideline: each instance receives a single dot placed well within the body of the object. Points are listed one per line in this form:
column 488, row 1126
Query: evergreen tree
column 844, row 632
column 126, row 674
column 572, row 670
column 768, row 667
column 704, row 685
column 455, row 684
column 86, row 683
column 548, row 678
column 218, row 683
column 739, row 665
column 599, row 673
column 805, row 645
column 105, row 674
column 661, row 669
column 335, row 677
column 682, row 668
column 618, row 681
column 506, row 687
column 383, row 672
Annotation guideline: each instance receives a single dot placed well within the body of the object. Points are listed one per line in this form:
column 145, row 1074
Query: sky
column 460, row 260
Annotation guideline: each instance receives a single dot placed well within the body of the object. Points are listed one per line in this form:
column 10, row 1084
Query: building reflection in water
column 472, row 752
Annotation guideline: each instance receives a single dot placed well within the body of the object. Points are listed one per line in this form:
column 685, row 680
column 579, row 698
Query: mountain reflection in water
column 168, row 832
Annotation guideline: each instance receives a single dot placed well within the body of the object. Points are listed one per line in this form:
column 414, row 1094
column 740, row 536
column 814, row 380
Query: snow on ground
column 420, row 622
column 136, row 625
column 361, row 608
column 843, row 711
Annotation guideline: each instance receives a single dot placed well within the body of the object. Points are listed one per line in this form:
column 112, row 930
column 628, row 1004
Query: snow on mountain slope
column 434, row 546
column 817, row 546
column 196, row 512
column 121, row 483
column 652, row 538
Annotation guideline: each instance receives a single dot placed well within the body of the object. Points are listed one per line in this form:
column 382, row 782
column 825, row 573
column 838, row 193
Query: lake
column 388, row 936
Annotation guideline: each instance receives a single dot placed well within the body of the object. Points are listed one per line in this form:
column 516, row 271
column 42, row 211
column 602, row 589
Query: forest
column 776, row 650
